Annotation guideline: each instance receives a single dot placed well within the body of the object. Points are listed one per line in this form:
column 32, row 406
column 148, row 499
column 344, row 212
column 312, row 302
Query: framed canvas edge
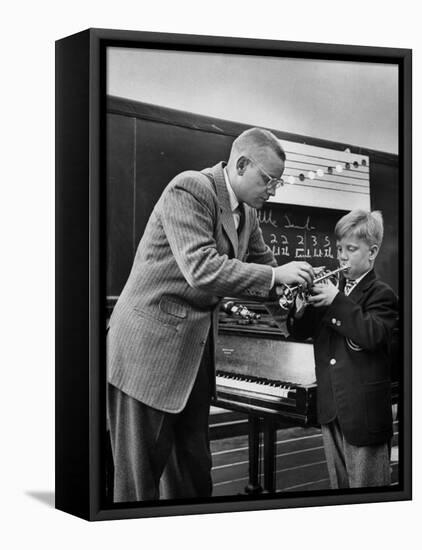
column 91, row 506
column 72, row 369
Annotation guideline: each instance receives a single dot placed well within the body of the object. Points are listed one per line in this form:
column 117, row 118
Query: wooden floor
column 300, row 460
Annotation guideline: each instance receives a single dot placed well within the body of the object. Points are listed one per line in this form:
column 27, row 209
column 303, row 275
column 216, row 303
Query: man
column 161, row 334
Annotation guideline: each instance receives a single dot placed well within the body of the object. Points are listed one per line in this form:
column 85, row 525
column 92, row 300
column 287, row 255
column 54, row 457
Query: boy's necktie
column 349, row 286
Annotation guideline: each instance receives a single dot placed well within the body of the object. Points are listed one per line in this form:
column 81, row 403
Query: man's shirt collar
column 234, row 202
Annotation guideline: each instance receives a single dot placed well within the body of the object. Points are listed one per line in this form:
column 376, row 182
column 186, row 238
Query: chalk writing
column 279, row 248
column 293, row 232
column 266, row 217
column 291, row 225
column 304, row 247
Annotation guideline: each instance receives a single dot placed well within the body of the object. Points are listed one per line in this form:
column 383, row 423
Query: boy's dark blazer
column 352, row 347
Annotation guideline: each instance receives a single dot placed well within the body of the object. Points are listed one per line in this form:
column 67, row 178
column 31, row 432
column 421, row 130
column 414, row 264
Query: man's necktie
column 349, row 286
column 241, row 213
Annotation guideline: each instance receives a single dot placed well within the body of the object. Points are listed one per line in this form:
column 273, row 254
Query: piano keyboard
column 250, row 384
column 263, row 396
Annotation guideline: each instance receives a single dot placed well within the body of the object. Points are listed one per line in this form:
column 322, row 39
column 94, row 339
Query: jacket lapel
column 224, row 201
column 358, row 293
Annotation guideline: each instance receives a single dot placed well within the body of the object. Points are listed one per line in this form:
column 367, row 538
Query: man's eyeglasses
column 272, row 183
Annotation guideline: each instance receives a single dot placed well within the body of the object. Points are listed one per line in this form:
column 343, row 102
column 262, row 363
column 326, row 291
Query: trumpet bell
column 287, row 298
column 289, row 293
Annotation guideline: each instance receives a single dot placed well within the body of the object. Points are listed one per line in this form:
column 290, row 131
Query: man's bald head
column 256, row 160
column 256, row 143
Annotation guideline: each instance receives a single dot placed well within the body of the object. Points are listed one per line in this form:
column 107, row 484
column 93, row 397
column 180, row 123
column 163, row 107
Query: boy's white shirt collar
column 358, row 280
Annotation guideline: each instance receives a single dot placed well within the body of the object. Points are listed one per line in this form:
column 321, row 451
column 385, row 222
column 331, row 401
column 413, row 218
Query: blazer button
column 338, row 323
column 333, row 362
column 334, row 321
column 202, row 342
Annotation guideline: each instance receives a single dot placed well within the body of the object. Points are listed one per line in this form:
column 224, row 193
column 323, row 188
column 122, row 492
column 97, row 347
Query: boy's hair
column 362, row 224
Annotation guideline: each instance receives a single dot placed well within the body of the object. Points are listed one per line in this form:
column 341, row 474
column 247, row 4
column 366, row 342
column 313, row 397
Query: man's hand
column 323, row 294
column 294, row 273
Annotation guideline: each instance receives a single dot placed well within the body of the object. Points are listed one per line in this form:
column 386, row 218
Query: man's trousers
column 145, row 441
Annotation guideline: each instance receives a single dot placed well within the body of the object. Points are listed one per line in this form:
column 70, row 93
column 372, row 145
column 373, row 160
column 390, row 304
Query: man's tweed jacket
column 189, row 257
column 352, row 347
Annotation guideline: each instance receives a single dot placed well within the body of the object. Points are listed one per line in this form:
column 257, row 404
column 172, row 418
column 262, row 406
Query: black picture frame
column 80, row 285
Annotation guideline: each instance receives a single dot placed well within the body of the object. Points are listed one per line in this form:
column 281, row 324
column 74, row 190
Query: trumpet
column 290, row 293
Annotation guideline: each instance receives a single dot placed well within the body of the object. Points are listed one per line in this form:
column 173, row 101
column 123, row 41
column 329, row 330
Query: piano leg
column 269, row 455
column 253, row 486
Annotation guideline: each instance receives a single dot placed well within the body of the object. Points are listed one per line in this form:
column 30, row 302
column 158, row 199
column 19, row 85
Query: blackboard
column 300, row 233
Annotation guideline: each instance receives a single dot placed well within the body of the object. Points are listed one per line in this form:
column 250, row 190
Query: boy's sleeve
column 370, row 328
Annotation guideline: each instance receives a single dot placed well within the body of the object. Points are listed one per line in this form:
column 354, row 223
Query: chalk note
column 300, row 233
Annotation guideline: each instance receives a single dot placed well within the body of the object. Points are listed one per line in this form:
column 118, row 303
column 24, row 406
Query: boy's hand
column 323, row 294
column 299, row 308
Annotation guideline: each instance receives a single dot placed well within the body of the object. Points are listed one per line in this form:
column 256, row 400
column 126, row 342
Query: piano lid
column 291, row 362
column 260, row 348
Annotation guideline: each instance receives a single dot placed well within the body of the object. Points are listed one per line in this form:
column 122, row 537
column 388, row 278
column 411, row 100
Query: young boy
column 352, row 326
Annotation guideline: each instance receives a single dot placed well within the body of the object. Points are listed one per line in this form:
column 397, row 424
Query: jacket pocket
column 172, row 308
column 168, row 313
column 378, row 406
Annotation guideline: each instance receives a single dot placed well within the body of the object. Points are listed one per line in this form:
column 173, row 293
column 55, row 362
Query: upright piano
column 260, row 369
column 261, row 372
